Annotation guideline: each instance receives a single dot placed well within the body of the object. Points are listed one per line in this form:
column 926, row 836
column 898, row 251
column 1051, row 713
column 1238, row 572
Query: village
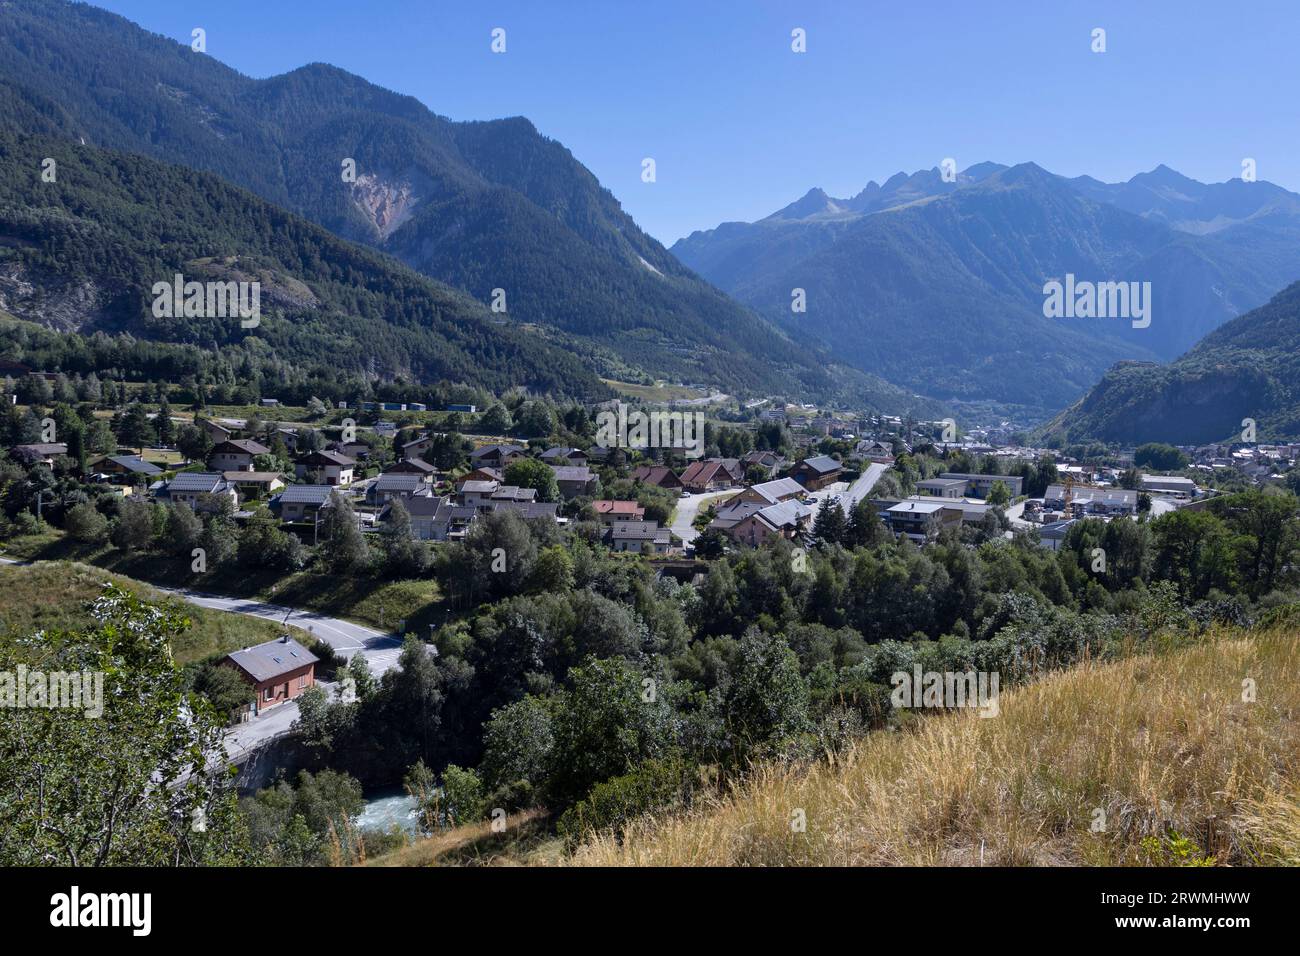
column 805, row 474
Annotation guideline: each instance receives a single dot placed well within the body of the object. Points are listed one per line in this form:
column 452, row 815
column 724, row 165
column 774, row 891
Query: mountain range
column 81, row 253
column 923, row 295
column 939, row 286
column 480, row 206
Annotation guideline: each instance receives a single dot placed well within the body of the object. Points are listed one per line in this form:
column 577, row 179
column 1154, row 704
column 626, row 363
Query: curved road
column 380, row 650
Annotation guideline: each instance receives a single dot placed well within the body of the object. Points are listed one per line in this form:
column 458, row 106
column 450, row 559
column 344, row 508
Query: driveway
column 850, row 495
column 689, row 507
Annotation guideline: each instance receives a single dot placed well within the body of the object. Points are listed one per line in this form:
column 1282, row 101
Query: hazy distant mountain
column 1190, row 206
column 939, row 286
column 482, row 206
column 1248, row 368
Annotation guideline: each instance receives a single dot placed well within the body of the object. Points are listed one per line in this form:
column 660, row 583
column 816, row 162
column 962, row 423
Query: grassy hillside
column 59, row 595
column 1163, row 745
column 363, row 599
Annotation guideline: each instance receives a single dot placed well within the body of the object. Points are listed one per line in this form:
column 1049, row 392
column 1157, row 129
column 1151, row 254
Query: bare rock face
column 51, row 300
column 386, row 203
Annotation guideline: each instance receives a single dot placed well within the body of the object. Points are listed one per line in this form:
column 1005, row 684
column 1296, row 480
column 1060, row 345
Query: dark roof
column 499, row 450
column 412, row 465
column 245, row 445
column 201, row 481
column 136, row 464
column 638, row 531
column 707, row 470
column 560, row 453
column 306, row 494
column 822, row 464
column 266, row 661
column 424, row 505
column 326, row 458
column 656, row 475
column 572, row 473
column 1056, row 529
column 397, row 481
column 527, row 509
column 252, row 477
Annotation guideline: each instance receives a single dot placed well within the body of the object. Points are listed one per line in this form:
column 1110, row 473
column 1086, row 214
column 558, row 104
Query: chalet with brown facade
column 278, row 670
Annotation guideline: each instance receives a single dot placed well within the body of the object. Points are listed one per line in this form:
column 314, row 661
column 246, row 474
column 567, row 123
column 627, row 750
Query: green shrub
column 653, row 786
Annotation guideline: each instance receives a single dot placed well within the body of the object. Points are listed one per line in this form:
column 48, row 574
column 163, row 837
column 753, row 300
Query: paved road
column 1016, row 515
column 850, row 495
column 381, row 652
column 689, row 507
column 380, row 649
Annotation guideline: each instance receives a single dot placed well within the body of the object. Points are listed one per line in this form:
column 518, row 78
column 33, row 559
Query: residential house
column 278, row 670
column 877, row 451
column 436, row 518
column 416, row 447
column 482, row 494
column 482, row 474
column 201, row 490
column 639, row 537
column 235, row 454
column 817, row 472
column 659, row 475
column 617, row 512
column 290, row 438
column 786, row 519
column 770, row 492
column 356, row 450
column 130, row 465
column 392, row 485
column 496, row 456
column 768, row 461
column 574, row 480
column 413, row 466
column 333, row 467
column 302, row 502
column 713, row 474
column 217, row 432
column 564, row 456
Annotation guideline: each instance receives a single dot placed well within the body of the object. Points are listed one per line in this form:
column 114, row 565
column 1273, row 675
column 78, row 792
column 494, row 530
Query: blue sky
column 739, row 125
